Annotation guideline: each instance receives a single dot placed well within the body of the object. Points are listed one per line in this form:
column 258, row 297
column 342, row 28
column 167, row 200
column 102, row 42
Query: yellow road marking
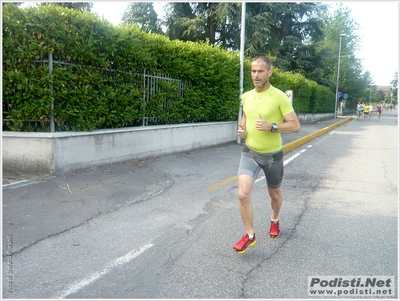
column 221, row 184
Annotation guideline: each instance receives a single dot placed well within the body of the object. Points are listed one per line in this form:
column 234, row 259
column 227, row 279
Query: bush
column 99, row 75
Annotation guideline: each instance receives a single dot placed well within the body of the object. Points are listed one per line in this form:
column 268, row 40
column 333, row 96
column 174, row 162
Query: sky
column 379, row 32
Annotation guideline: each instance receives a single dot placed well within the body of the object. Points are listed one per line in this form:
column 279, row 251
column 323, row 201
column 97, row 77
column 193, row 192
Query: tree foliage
column 79, row 6
column 395, row 85
column 213, row 22
column 352, row 80
column 98, row 79
column 144, row 15
column 300, row 37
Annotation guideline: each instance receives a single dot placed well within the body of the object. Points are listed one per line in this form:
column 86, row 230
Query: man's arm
column 242, row 128
column 291, row 124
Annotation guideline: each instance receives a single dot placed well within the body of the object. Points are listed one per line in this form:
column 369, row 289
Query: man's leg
column 245, row 186
column 276, row 201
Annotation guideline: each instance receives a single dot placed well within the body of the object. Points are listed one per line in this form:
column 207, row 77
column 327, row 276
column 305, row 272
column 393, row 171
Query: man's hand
column 241, row 132
column 262, row 124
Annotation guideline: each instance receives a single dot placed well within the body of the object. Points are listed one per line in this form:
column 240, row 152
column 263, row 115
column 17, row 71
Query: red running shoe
column 274, row 230
column 245, row 242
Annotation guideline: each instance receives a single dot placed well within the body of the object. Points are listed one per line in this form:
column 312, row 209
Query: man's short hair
column 265, row 59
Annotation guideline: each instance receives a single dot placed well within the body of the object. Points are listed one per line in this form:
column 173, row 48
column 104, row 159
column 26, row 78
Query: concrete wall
column 28, row 153
column 313, row 118
column 42, row 154
column 55, row 153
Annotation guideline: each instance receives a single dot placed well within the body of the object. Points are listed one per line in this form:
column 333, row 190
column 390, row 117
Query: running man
column 360, row 109
column 264, row 110
column 366, row 111
column 378, row 111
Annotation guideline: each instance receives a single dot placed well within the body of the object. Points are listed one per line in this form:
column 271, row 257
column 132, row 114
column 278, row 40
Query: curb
column 18, row 184
column 300, row 141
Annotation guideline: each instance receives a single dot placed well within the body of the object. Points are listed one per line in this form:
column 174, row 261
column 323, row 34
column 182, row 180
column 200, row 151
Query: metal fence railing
column 151, row 87
column 149, row 84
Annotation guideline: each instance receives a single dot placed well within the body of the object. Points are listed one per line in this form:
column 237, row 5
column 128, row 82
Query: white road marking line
column 285, row 162
column 96, row 275
column 293, row 157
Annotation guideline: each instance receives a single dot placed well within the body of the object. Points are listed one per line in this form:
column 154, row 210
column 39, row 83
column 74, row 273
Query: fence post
column 144, row 98
column 52, row 128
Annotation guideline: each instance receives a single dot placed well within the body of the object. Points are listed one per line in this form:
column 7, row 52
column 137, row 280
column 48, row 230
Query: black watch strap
column 274, row 128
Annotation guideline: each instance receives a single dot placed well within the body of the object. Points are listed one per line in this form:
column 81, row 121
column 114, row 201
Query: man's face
column 260, row 74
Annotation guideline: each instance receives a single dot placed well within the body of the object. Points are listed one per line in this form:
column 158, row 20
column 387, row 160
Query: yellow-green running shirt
column 273, row 104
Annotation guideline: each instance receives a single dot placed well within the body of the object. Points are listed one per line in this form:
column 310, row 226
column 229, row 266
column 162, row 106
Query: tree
column 16, row 3
column 300, row 37
column 215, row 22
column 80, row 6
column 215, row 16
column 294, row 29
column 394, row 84
column 283, row 30
column 351, row 79
column 380, row 95
column 258, row 29
column 175, row 15
column 144, row 15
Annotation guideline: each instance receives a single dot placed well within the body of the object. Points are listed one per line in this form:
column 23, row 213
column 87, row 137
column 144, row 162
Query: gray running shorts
column 271, row 163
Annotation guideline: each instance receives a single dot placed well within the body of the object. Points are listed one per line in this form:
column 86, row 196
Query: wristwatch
column 274, row 128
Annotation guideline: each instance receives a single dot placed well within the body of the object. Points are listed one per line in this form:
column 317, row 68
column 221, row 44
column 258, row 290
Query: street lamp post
column 370, row 92
column 242, row 43
column 338, row 70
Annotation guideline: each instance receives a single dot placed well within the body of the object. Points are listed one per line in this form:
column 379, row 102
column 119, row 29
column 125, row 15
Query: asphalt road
column 164, row 227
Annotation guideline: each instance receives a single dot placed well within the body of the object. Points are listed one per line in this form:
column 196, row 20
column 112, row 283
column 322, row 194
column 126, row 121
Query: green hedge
column 95, row 84
column 308, row 96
